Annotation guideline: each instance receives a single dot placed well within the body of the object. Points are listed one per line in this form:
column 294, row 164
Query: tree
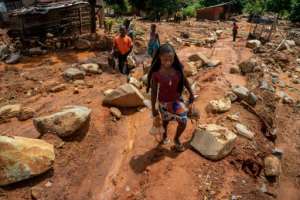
column 278, row 6
column 295, row 11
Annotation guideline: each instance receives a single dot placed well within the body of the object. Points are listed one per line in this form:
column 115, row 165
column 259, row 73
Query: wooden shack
column 216, row 12
column 59, row 18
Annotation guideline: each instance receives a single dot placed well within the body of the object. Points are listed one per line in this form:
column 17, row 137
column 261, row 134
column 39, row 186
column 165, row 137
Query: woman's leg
column 180, row 129
column 165, row 134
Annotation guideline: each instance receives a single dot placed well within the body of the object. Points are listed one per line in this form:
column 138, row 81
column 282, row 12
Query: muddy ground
column 121, row 160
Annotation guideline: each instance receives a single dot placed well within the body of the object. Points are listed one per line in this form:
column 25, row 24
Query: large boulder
column 248, row 65
column 125, row 96
column 22, row 158
column 221, row 105
column 64, row 123
column 253, row 44
column 213, row 141
column 73, row 74
column 91, row 68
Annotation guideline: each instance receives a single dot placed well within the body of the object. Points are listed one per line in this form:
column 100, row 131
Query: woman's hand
column 191, row 99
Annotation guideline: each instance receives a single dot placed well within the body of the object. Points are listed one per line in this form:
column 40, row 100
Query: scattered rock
column 194, row 57
column 235, row 70
column 219, row 33
column 251, row 99
column 4, row 52
column 266, row 86
column 64, row 123
column 296, row 81
column 241, row 91
column 213, row 142
column 73, row 74
column 48, row 184
column 36, row 192
column 91, row 68
column 13, row 58
column 244, row 131
column 22, row 158
column 10, row 111
column 79, row 83
column 75, row 90
column 135, row 82
column 58, row 88
column 234, row 117
column 248, row 65
column 220, row 106
column 82, row 44
column 107, row 92
column 116, row 112
column 285, row 98
column 272, row 166
column 145, row 79
column 125, row 96
column 37, row 51
column 232, row 96
column 290, row 43
column 25, row 114
column 253, row 44
column 213, row 63
column 185, row 35
column 190, row 69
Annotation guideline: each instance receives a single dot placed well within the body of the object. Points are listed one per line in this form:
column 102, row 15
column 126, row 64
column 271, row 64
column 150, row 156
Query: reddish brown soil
column 121, row 160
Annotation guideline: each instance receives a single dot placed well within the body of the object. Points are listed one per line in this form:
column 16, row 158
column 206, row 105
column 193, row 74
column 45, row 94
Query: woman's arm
column 154, row 97
column 188, row 87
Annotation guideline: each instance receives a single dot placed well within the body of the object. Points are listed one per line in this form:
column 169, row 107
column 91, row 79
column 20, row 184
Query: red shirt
column 235, row 27
column 123, row 44
column 168, row 86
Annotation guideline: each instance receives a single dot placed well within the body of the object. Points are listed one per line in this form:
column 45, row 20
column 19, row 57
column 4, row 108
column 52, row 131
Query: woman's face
column 166, row 59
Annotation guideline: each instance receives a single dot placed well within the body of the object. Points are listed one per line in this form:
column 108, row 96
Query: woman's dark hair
column 156, row 63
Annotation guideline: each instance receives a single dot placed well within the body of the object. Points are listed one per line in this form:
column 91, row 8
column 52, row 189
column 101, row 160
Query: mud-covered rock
column 253, row 44
column 213, row 141
column 248, row 65
column 64, row 123
column 23, row 158
column 73, row 74
column 272, row 166
column 25, row 114
column 116, row 112
column 240, row 91
column 244, row 131
column 221, row 105
column 10, row 111
column 91, row 68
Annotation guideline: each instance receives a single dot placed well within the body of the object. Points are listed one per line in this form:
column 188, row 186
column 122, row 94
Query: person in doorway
column 154, row 41
column 167, row 81
column 234, row 31
column 122, row 48
column 100, row 12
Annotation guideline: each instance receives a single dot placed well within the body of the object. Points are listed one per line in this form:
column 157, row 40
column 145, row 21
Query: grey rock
column 4, row 52
column 64, row 123
column 73, row 74
column 241, row 91
column 248, row 65
column 13, row 58
column 82, row 44
column 235, row 70
column 251, row 99
column 253, row 44
column 266, row 86
column 92, row 68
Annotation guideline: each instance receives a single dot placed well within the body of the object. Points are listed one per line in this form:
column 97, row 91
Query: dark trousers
column 234, row 34
column 122, row 59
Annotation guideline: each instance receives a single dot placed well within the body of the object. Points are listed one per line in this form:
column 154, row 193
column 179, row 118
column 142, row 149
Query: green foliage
column 256, row 7
column 295, row 11
column 191, row 10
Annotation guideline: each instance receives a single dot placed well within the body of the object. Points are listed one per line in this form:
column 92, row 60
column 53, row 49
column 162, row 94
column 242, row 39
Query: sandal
column 179, row 147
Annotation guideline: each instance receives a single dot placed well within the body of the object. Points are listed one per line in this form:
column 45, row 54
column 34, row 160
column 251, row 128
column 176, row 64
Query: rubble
column 65, row 123
column 23, row 158
column 116, row 112
column 213, row 141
